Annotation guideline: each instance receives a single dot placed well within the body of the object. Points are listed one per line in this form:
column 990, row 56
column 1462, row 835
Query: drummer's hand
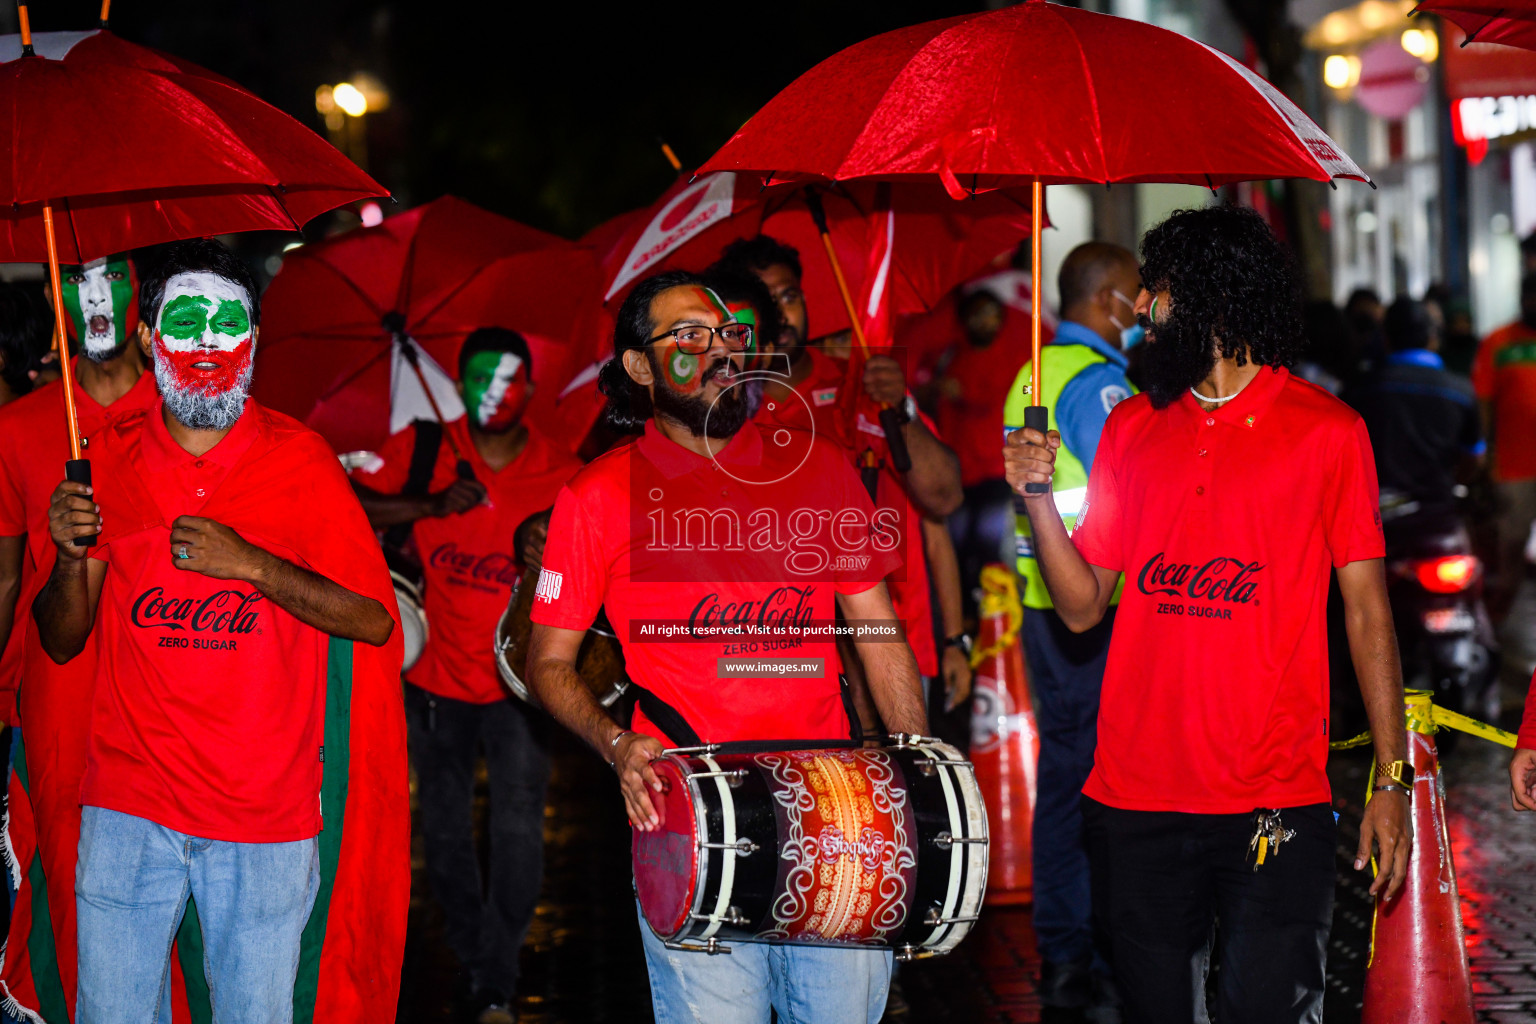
column 535, row 532
column 956, row 669
column 1029, row 457
column 461, row 497
column 71, row 514
column 632, row 760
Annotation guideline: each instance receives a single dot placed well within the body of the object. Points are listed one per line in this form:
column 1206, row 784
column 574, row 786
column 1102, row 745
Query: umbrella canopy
column 134, row 147
column 330, row 354
column 934, row 243
column 1511, row 22
column 1032, row 92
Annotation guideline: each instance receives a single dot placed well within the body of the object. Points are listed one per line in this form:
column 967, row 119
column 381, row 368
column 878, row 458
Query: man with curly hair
column 1224, row 494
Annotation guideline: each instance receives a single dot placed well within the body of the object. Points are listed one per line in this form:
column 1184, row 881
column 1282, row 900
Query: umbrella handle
column 1037, row 417
column 71, row 418
column 891, row 421
column 79, row 471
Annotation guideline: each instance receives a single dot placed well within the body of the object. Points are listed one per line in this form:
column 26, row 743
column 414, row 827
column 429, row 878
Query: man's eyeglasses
column 695, row 340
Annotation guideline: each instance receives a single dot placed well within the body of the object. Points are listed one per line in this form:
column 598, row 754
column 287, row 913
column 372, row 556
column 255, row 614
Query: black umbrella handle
column 892, row 419
column 79, row 471
column 1037, row 417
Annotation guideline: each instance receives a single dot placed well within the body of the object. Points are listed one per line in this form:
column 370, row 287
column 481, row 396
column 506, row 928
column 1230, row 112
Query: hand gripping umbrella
column 1511, row 22
column 1033, row 94
column 227, row 161
column 361, row 332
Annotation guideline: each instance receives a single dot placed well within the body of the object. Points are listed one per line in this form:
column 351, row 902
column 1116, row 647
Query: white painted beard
column 198, row 410
column 99, row 348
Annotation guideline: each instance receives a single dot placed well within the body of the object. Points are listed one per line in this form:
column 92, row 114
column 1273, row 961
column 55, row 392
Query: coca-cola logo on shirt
column 781, row 608
column 497, row 567
column 224, row 611
column 1223, row 579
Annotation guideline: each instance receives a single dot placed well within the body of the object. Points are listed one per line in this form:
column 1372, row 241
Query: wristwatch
column 960, row 640
column 910, row 408
column 1398, row 772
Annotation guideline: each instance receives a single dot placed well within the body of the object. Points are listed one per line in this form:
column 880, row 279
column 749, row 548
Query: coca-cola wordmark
column 774, row 610
column 1229, row 580
column 224, row 611
column 497, row 567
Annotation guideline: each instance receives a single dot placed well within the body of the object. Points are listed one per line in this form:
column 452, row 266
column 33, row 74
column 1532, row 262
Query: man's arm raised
column 889, row 666
column 1080, row 592
column 215, row 550
column 65, row 609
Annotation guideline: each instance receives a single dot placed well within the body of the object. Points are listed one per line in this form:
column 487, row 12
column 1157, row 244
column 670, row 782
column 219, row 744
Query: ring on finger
column 182, row 552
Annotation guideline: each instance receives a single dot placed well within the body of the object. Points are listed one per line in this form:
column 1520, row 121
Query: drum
column 413, row 618
column 600, row 662
column 882, row 847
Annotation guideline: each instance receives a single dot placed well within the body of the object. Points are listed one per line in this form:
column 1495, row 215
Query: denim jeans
column 805, row 984
column 485, row 921
column 131, row 887
column 1067, row 670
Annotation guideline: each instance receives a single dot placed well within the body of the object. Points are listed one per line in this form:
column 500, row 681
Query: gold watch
column 1398, row 772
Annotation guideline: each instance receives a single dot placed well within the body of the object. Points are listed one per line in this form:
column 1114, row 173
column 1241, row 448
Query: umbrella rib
column 1093, row 99
column 349, row 283
column 284, row 207
column 73, row 233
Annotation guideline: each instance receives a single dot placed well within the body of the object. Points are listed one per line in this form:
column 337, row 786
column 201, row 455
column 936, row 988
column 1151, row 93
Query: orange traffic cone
column 1418, row 971
column 1005, row 744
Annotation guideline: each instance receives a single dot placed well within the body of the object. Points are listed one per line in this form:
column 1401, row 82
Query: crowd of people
column 201, row 639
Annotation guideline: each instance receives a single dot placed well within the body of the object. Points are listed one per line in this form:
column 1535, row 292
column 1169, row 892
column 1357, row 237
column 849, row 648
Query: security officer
column 1083, row 378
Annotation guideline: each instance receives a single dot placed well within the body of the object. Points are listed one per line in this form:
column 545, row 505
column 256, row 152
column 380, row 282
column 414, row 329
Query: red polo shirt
column 1225, row 524
column 468, row 558
column 826, row 410
column 688, row 555
column 209, row 709
column 1504, row 373
column 33, row 448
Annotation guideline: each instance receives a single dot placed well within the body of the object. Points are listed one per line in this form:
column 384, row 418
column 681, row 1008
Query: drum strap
column 667, row 718
column 671, row 721
column 429, row 438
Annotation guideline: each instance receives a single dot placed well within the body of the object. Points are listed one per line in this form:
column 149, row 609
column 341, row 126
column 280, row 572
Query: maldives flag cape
column 292, row 492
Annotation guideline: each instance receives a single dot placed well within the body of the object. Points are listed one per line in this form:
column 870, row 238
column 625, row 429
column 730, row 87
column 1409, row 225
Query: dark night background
column 549, row 113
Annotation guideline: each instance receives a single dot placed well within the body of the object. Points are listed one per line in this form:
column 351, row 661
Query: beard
column 102, row 347
column 1177, row 355
column 719, row 419
column 197, row 409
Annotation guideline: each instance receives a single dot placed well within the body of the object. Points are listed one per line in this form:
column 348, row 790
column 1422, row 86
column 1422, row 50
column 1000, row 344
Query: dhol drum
column 413, row 618
column 883, row 847
column 600, row 662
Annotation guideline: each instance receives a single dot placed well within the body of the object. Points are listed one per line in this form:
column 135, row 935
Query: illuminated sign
column 1477, row 119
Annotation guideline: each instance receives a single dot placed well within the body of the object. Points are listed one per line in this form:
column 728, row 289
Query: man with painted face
column 1083, row 372
column 1225, row 495
column 678, row 347
column 109, row 385
column 245, row 683
column 456, row 704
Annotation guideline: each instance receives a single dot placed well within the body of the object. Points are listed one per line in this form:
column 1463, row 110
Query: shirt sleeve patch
column 1112, row 395
column 548, row 589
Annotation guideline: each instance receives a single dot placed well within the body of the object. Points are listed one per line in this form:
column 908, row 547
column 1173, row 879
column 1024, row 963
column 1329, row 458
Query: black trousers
column 486, row 918
column 1170, row 887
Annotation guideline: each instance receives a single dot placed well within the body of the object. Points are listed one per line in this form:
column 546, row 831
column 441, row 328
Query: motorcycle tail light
column 1450, row 574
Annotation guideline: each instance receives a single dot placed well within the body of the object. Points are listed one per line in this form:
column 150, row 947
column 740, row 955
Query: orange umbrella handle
column 106, row 9
column 26, row 29
column 77, row 468
column 1036, row 417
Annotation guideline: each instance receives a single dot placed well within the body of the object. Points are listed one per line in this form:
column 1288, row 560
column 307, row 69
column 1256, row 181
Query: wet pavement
column 582, row 961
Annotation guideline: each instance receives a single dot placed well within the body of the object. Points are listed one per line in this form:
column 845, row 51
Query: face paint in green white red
column 686, row 371
column 495, row 390
column 101, row 303
column 203, row 335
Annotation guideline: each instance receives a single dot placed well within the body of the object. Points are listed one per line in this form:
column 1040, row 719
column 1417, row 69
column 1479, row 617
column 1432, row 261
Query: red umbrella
column 1511, row 22
column 1035, row 93
column 935, row 243
column 343, row 317
column 84, row 112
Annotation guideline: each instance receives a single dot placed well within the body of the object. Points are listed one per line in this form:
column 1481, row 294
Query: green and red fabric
column 352, row 947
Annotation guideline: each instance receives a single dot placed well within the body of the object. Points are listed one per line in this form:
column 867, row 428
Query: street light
column 1423, row 43
column 343, row 107
column 352, row 102
column 1340, row 71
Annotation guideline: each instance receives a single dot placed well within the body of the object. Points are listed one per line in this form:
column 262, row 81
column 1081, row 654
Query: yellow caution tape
column 1426, row 718
column 1000, row 596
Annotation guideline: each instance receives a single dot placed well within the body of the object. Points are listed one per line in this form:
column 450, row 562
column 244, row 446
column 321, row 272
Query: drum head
column 413, row 620
column 666, row 861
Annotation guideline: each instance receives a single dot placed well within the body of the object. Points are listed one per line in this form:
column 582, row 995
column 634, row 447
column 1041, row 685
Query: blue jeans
column 131, row 887
column 1067, row 670
column 805, row 984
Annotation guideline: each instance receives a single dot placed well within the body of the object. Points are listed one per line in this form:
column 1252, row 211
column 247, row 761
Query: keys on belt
column 1269, row 832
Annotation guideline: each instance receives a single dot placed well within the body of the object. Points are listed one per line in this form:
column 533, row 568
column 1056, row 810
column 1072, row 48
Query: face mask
column 100, row 300
column 495, row 390
column 1131, row 334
